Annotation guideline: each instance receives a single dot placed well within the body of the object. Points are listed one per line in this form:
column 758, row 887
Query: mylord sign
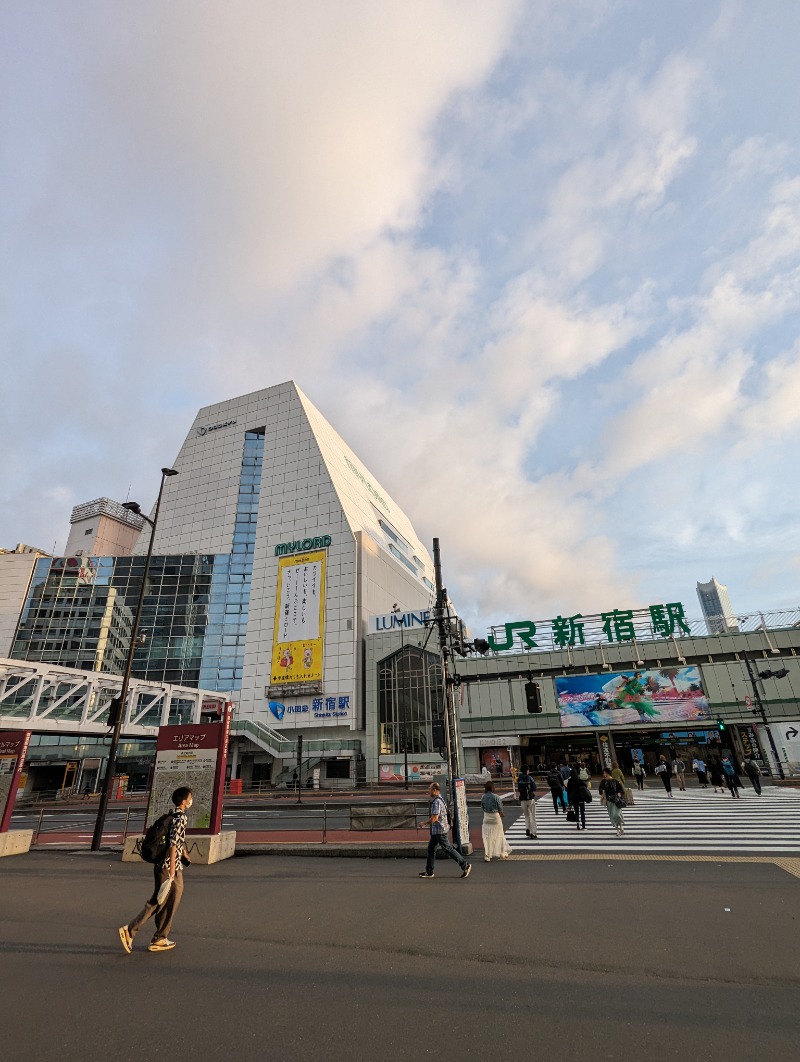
column 302, row 545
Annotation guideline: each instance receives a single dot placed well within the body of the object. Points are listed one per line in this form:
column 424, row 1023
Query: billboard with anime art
column 668, row 695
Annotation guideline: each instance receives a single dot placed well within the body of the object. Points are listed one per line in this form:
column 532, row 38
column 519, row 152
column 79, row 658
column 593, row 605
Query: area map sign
column 13, row 749
column 667, row 695
column 194, row 756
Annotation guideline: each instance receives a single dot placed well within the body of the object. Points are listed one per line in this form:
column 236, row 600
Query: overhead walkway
column 48, row 698
column 282, row 747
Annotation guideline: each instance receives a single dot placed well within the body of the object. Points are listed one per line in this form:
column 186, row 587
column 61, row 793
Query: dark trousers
column 639, row 780
column 558, row 799
column 756, row 780
column 166, row 912
column 439, row 840
column 580, row 812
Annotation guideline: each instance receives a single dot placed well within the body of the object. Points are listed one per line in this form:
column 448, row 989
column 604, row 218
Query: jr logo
column 524, row 630
column 277, row 709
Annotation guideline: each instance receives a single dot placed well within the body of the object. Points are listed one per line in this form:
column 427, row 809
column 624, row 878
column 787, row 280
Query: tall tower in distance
column 717, row 608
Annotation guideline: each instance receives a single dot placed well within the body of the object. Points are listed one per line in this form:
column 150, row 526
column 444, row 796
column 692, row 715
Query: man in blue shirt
column 440, row 826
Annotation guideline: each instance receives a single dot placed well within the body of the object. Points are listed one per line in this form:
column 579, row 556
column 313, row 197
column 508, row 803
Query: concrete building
column 275, row 545
column 16, row 571
column 716, row 607
column 102, row 528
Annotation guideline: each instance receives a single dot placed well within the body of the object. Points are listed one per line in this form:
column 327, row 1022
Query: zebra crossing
column 697, row 820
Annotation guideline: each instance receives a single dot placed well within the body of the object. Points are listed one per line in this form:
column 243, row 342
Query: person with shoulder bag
column 579, row 796
column 615, row 801
column 664, row 771
column 526, row 787
column 494, row 838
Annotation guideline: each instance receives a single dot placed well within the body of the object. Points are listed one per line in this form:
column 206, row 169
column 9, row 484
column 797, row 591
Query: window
column 88, row 531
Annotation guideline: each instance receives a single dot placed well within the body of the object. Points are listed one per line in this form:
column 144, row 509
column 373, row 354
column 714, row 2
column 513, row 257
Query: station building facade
column 678, row 693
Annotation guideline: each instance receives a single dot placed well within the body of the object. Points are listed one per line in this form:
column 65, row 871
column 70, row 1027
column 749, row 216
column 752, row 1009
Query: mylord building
column 275, row 545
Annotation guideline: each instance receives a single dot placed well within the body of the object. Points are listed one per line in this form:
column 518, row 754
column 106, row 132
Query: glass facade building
column 194, row 613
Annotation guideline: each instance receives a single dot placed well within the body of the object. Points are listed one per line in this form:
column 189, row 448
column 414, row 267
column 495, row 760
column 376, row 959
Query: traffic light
column 721, row 726
column 114, row 710
column 533, row 698
column 437, row 734
column 480, row 645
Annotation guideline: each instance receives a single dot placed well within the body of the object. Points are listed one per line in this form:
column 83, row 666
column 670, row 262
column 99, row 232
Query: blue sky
column 539, row 263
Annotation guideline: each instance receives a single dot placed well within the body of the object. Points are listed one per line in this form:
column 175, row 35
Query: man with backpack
column 526, row 787
column 165, row 846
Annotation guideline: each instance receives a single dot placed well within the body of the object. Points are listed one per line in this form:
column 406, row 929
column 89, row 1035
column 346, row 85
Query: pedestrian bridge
column 48, row 698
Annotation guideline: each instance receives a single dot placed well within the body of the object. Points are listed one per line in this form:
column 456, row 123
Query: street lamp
column 108, row 781
column 782, row 673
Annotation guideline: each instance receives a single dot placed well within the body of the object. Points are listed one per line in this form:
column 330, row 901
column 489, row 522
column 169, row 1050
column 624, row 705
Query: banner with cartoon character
column 667, row 695
column 299, row 619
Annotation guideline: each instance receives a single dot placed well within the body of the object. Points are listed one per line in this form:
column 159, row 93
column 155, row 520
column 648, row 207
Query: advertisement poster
column 497, row 761
column 193, row 755
column 13, row 749
column 417, row 772
column 460, row 813
column 669, row 695
column 299, row 619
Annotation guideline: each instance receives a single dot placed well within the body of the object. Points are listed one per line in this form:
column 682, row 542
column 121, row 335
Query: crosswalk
column 698, row 820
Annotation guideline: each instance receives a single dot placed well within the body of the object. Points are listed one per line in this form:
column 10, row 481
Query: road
column 312, row 960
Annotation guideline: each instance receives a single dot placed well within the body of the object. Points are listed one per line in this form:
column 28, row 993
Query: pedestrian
column 577, row 793
column 169, row 869
column 526, row 787
column 617, row 775
column 614, row 792
column 87, row 789
column 440, row 827
column 732, row 779
column 494, row 837
column 664, row 771
column 556, row 784
column 679, row 768
column 717, row 775
column 753, row 772
column 638, row 773
column 699, row 768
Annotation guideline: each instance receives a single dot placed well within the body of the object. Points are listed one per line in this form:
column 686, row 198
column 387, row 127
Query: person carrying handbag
column 615, row 801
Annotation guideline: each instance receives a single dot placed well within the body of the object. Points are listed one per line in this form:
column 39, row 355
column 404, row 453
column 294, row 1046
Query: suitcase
column 629, row 797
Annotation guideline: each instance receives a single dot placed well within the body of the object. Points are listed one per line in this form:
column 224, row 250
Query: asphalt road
column 328, row 959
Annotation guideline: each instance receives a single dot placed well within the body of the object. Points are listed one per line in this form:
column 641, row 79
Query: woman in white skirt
column 494, row 838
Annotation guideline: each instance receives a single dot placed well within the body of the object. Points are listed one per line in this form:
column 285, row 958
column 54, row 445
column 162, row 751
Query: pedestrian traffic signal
column 533, row 698
column 720, row 726
column 438, row 734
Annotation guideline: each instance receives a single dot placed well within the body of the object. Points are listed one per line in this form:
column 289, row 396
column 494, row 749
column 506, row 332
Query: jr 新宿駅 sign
column 619, row 625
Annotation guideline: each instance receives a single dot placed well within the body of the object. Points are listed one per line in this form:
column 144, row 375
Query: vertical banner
column 13, row 750
column 460, row 813
column 299, row 619
column 193, row 755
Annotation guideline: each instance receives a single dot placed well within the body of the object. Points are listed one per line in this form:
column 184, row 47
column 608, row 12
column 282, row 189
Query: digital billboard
column 667, row 695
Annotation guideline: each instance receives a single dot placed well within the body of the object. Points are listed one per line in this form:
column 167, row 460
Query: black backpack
column 155, row 843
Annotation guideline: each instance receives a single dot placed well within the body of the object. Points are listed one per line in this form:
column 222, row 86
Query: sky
column 537, row 262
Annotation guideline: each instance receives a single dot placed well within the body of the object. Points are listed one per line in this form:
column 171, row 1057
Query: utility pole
column 440, row 618
column 762, row 711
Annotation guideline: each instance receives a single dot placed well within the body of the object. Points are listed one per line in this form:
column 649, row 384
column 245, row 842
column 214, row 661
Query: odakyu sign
column 313, row 710
column 394, row 621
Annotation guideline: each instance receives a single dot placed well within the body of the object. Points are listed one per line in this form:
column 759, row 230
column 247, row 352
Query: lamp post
column 404, row 694
column 119, row 715
column 782, row 673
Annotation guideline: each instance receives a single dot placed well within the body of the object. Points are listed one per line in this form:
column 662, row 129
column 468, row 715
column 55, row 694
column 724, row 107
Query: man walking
column 439, row 827
column 526, row 787
column 168, row 870
column 679, row 768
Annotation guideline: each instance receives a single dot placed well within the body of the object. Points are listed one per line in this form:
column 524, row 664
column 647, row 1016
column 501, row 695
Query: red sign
column 13, row 749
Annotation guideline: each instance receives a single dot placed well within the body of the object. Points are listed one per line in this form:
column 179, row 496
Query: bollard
column 125, row 827
column 324, row 823
column 38, row 827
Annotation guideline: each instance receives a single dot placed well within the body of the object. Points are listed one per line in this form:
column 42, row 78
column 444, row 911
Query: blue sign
column 277, row 709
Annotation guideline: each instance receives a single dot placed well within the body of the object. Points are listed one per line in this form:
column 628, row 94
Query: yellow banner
column 299, row 619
